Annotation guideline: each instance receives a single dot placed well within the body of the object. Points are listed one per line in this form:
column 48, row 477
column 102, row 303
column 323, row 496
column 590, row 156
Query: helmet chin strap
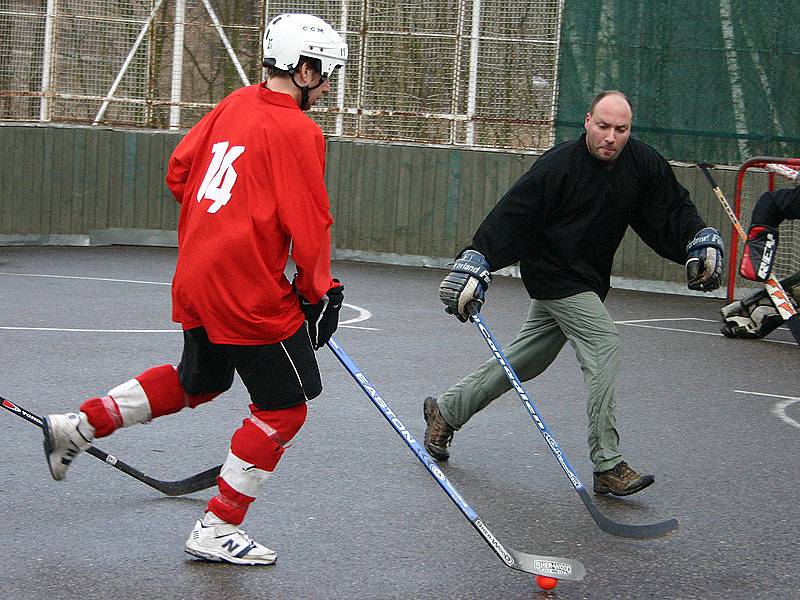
column 304, row 89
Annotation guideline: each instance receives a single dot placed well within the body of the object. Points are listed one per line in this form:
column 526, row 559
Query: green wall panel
column 392, row 199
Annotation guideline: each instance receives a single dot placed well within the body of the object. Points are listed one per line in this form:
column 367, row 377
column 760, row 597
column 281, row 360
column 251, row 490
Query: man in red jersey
column 250, row 181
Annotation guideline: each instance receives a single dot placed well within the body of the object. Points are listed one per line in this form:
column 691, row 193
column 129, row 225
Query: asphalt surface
column 350, row 510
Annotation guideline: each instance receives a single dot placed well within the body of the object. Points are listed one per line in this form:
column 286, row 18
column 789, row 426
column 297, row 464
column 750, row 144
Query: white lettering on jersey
column 220, row 177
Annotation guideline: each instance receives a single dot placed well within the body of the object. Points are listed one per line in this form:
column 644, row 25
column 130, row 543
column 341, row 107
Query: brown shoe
column 621, row 481
column 438, row 433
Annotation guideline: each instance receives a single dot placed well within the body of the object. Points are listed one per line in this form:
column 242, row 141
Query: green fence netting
column 709, row 80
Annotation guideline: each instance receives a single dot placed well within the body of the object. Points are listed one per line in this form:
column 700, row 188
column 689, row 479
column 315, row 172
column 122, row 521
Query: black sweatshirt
column 564, row 219
column 773, row 208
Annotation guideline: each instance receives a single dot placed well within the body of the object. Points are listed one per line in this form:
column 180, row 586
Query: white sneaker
column 228, row 543
column 65, row 436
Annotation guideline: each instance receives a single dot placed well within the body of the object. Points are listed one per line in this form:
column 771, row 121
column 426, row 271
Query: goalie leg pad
column 753, row 317
column 256, row 448
column 792, row 286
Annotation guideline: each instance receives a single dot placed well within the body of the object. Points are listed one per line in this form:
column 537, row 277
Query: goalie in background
column 756, row 316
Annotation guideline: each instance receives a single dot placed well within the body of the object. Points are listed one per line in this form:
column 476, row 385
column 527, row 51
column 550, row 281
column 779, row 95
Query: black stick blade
column 195, row 483
column 637, row 532
column 190, row 485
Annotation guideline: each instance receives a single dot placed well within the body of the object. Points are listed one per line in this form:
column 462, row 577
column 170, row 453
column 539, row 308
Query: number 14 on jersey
column 220, row 177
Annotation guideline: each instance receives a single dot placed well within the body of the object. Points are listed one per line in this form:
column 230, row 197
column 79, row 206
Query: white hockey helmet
column 290, row 36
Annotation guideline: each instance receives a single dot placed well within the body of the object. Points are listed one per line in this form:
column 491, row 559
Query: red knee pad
column 286, row 421
column 261, row 439
column 165, row 392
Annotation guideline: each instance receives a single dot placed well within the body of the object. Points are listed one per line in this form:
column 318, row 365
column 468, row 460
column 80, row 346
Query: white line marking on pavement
column 672, row 329
column 363, row 313
column 667, row 319
column 639, row 323
column 780, row 407
column 87, row 278
column 71, row 329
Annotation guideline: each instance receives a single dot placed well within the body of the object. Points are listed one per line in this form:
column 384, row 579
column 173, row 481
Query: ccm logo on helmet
column 312, row 28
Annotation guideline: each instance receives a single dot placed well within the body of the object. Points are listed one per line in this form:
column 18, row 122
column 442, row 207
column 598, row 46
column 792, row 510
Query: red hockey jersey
column 249, row 178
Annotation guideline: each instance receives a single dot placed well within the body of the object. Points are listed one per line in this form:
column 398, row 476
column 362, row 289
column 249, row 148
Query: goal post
column 756, row 176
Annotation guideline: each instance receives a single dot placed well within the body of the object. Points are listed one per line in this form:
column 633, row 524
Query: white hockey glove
column 465, row 284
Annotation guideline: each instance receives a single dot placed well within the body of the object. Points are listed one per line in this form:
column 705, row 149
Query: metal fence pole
column 47, row 59
column 472, row 92
column 177, row 65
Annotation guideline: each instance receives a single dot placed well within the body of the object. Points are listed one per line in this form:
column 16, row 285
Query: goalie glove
column 704, row 265
column 322, row 318
column 465, row 284
column 759, row 253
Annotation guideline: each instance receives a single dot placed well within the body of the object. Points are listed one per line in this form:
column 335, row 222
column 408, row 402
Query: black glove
column 466, row 284
column 704, row 266
column 322, row 318
column 759, row 253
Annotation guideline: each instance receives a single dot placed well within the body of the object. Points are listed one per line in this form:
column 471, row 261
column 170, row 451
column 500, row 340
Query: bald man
column 563, row 221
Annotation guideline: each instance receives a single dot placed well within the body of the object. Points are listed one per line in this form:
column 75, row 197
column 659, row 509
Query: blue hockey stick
column 548, row 566
column 603, row 522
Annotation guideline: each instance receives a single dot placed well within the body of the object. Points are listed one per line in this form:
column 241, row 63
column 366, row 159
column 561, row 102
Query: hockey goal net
column 756, row 176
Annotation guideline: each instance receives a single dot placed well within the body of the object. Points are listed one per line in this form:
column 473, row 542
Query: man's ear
column 307, row 72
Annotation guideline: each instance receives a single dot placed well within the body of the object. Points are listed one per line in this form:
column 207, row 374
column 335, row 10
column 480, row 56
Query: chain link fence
column 465, row 72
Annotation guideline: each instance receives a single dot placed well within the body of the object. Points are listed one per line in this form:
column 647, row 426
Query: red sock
column 256, row 448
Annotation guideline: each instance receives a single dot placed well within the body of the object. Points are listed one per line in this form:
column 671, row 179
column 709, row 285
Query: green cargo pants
column 584, row 321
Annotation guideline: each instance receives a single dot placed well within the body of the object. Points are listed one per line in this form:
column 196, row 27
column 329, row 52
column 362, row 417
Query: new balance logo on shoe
column 226, row 542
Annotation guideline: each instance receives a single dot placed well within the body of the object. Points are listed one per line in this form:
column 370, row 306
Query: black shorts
column 276, row 375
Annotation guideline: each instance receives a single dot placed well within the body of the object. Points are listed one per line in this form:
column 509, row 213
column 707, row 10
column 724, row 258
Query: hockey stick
column 548, row 566
column 774, row 289
column 192, row 484
column 603, row 522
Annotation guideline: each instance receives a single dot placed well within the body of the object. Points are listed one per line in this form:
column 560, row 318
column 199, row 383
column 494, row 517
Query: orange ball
column 546, row 583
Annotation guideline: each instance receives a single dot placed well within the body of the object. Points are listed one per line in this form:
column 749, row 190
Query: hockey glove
column 465, row 284
column 704, row 266
column 322, row 318
column 759, row 253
